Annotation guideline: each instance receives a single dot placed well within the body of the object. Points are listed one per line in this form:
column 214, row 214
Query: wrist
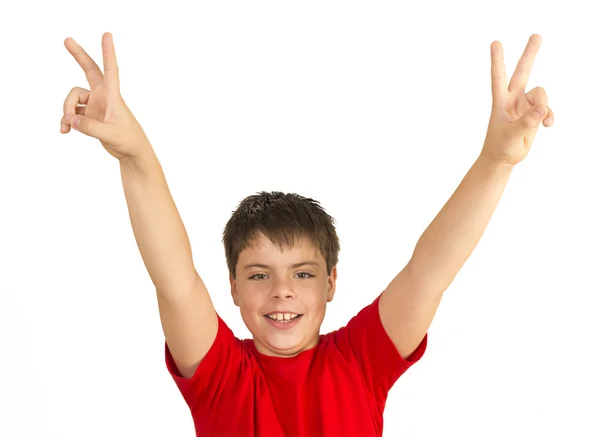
column 493, row 164
column 143, row 158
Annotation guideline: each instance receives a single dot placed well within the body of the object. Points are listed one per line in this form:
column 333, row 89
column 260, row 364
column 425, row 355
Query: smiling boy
column 282, row 252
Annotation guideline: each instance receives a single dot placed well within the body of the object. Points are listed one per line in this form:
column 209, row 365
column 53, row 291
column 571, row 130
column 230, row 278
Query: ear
column 234, row 292
column 331, row 280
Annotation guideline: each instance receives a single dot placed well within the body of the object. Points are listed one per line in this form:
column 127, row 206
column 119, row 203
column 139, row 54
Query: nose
column 282, row 289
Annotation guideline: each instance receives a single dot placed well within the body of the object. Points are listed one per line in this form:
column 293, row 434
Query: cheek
column 250, row 310
column 315, row 298
column 252, row 299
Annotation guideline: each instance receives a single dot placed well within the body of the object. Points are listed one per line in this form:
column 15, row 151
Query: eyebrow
column 300, row 264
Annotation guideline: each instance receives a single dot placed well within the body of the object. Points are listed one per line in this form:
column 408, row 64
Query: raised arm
column 187, row 314
column 410, row 302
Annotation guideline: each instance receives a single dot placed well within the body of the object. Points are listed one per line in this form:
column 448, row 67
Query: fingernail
column 540, row 111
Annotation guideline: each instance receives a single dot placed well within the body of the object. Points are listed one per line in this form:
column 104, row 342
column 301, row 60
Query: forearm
column 452, row 236
column 158, row 229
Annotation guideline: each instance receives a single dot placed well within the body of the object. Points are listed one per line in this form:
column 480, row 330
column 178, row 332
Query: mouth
column 282, row 318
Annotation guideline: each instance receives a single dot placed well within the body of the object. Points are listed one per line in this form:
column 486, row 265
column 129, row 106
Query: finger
column 537, row 96
column 65, row 121
column 77, row 96
column 92, row 72
column 549, row 120
column 531, row 119
column 91, row 127
column 499, row 80
column 111, row 69
column 520, row 77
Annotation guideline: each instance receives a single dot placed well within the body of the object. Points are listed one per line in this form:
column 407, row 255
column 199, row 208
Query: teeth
column 282, row 317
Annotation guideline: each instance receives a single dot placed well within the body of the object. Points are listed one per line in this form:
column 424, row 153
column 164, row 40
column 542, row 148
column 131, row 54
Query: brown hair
column 283, row 218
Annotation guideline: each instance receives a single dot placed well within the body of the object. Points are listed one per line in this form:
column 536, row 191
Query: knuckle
column 542, row 91
column 78, row 90
column 538, row 90
column 73, row 98
column 538, row 95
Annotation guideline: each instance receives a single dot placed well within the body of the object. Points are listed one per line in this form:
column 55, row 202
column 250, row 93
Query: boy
column 281, row 250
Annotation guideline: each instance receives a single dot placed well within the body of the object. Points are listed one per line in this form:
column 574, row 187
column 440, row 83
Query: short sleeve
column 380, row 362
column 216, row 374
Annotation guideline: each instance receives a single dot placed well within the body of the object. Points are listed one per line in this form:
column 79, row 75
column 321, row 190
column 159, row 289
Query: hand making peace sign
column 514, row 120
column 104, row 115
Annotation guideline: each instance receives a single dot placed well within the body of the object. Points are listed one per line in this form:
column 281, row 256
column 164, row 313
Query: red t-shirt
column 338, row 388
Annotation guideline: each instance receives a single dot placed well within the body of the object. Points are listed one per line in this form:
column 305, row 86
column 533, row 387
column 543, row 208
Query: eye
column 306, row 275
column 258, row 277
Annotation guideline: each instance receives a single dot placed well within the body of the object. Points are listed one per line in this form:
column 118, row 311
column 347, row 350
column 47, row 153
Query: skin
column 410, row 302
column 407, row 305
column 187, row 314
column 100, row 111
column 281, row 284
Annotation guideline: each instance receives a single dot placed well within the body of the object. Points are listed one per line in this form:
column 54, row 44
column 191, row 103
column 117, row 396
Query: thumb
column 532, row 118
column 93, row 128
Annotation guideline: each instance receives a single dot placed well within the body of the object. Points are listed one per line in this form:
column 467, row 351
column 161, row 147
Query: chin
column 285, row 340
column 286, row 343
column 284, row 346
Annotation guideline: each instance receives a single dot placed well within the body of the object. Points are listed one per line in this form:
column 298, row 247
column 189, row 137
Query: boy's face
column 282, row 295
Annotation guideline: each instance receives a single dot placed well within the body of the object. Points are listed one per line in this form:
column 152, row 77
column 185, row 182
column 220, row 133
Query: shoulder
column 225, row 364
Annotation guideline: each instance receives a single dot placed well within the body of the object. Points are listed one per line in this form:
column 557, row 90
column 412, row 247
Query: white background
column 377, row 110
